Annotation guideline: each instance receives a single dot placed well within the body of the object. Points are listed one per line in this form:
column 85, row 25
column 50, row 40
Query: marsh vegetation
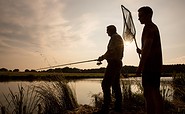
column 56, row 97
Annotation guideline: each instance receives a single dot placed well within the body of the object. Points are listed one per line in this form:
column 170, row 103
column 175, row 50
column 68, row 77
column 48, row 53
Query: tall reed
column 57, row 97
column 54, row 97
column 21, row 102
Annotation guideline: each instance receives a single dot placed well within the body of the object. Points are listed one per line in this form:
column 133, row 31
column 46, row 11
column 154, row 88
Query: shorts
column 151, row 79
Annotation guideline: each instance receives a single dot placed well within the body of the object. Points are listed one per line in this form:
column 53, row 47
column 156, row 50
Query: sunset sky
column 41, row 33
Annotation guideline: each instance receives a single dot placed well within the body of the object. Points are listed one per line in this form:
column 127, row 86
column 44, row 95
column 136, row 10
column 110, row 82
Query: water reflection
column 85, row 88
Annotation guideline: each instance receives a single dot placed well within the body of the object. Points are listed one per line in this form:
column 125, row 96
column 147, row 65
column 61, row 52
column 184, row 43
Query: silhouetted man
column 113, row 55
column 150, row 62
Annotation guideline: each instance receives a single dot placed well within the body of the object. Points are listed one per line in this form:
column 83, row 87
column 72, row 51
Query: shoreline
column 44, row 76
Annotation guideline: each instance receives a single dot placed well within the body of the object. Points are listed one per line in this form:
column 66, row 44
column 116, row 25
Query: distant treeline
column 177, row 68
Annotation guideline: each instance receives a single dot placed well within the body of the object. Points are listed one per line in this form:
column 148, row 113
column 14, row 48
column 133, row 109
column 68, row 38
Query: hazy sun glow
column 127, row 43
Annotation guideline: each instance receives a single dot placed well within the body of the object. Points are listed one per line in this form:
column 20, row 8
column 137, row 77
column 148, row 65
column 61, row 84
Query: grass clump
column 56, row 97
column 21, row 102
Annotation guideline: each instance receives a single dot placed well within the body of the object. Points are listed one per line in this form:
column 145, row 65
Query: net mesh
column 128, row 25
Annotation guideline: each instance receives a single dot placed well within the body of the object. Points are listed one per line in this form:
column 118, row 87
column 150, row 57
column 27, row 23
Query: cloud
column 41, row 25
column 32, row 22
column 30, row 27
column 85, row 27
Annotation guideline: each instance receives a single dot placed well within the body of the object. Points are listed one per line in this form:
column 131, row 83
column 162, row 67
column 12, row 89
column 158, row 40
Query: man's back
column 153, row 62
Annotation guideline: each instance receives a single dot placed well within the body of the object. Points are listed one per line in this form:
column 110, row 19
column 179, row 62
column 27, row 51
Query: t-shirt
column 115, row 48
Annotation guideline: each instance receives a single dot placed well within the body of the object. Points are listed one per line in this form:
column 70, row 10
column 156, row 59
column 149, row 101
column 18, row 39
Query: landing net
column 129, row 31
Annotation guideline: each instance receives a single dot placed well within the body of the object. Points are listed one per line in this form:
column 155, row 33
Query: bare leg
column 154, row 102
column 158, row 101
column 148, row 94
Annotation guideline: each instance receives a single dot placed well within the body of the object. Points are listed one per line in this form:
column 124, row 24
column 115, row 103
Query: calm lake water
column 85, row 88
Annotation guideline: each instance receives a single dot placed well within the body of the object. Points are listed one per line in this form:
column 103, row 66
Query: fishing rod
column 98, row 63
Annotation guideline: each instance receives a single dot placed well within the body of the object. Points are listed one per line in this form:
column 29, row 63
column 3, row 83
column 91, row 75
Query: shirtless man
column 150, row 62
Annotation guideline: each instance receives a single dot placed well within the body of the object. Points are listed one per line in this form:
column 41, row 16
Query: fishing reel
column 99, row 63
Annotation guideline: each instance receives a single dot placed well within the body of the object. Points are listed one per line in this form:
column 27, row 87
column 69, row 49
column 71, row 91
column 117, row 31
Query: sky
column 42, row 33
